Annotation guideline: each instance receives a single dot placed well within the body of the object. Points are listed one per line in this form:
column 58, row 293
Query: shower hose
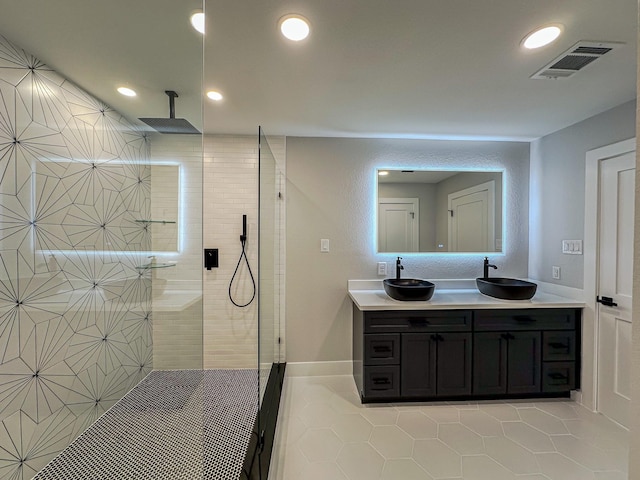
column 243, row 241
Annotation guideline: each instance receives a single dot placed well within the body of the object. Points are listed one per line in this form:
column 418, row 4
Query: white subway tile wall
column 215, row 197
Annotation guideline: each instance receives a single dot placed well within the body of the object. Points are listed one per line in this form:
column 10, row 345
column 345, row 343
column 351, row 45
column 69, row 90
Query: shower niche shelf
column 156, row 265
column 156, row 221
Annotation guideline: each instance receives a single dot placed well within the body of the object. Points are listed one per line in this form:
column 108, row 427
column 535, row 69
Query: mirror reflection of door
column 471, row 219
column 398, row 224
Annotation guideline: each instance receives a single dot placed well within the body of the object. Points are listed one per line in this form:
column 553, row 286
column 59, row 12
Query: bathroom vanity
column 464, row 345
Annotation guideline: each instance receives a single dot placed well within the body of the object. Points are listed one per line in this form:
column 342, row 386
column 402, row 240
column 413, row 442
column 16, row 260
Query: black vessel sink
column 506, row 288
column 408, row 289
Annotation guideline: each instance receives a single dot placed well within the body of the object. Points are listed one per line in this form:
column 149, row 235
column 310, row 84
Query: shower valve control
column 210, row 258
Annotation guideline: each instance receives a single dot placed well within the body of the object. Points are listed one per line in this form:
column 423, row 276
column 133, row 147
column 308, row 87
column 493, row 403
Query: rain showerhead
column 171, row 124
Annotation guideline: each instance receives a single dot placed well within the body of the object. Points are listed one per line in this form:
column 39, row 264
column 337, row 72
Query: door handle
column 606, row 301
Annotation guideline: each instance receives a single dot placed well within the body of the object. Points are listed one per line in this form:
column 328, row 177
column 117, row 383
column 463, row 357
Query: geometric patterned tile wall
column 75, row 308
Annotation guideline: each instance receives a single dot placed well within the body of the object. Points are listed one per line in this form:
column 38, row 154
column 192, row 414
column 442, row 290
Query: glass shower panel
column 174, row 261
column 271, row 268
column 100, row 225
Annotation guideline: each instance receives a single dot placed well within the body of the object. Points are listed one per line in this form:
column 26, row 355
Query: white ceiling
column 402, row 68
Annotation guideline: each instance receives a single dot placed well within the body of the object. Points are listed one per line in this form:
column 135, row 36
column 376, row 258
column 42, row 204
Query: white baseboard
column 313, row 369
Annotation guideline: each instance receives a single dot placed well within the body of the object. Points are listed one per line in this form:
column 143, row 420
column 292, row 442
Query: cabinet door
column 490, row 363
column 418, row 365
column 524, row 362
column 454, row 364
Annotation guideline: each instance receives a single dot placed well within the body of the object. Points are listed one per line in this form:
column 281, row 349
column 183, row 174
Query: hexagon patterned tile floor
column 324, row 432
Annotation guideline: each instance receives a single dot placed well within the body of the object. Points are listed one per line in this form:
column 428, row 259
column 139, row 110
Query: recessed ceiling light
column 294, row 27
column 382, row 173
column 213, row 95
column 127, row 92
column 197, row 21
column 541, row 37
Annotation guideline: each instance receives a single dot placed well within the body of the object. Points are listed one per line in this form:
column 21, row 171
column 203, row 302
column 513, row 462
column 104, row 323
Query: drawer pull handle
column 382, row 348
column 419, row 321
column 558, row 376
column 381, row 381
column 559, row 345
column 524, row 319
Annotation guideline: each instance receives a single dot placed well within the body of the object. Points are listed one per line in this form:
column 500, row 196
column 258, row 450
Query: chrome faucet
column 399, row 267
column 486, row 267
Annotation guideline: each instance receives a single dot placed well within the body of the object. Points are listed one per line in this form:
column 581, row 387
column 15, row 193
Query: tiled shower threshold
column 178, row 424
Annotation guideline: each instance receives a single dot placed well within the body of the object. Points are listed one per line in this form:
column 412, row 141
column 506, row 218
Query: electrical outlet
column 382, row 268
column 555, row 272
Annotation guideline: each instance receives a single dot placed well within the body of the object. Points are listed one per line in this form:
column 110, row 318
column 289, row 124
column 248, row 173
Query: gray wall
column 330, row 194
column 557, row 190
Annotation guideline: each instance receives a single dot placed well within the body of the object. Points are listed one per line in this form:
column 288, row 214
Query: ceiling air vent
column 575, row 59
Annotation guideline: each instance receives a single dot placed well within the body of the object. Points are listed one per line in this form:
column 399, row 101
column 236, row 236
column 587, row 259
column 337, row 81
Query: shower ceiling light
column 541, row 37
column 294, row 27
column 126, row 92
column 197, row 21
column 213, row 95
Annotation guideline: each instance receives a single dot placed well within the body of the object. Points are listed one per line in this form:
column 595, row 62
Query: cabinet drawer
column 382, row 381
column 558, row 376
column 382, row 349
column 418, row 321
column 525, row 319
column 559, row 345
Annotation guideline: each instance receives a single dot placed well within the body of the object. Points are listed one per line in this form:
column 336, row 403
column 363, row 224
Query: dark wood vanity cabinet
column 435, row 364
column 412, row 355
column 506, row 362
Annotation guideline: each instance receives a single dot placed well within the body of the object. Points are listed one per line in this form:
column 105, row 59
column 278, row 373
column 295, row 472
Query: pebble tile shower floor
column 324, row 433
column 182, row 424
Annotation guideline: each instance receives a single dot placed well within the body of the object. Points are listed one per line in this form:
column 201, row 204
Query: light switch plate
column 382, row 268
column 555, row 272
column 324, row 245
column 572, row 247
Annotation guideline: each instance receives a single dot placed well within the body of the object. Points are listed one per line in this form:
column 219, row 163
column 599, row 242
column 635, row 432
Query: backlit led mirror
column 439, row 211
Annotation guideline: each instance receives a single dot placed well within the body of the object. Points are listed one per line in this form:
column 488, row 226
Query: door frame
column 588, row 396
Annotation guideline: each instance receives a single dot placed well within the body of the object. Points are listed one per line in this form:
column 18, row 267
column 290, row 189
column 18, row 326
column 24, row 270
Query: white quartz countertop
column 370, row 295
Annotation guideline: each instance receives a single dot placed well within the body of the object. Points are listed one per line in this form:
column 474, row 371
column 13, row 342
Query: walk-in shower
column 121, row 356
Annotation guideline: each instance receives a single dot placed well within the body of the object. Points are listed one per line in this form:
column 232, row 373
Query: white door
column 471, row 219
column 398, row 225
column 615, row 272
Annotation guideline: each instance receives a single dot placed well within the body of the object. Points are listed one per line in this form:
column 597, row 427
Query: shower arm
column 172, row 102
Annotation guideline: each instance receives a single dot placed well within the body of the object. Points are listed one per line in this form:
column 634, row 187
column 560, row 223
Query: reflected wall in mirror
column 165, row 194
column 439, row 211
